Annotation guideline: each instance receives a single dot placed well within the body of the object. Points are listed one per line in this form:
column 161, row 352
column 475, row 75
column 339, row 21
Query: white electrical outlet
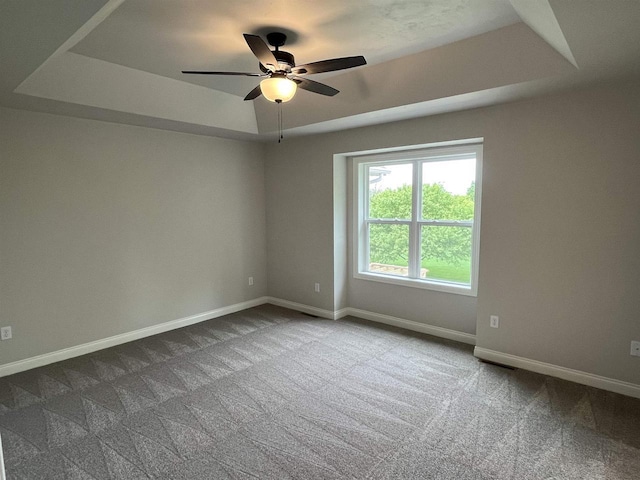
column 5, row 333
column 250, row 281
column 317, row 288
column 635, row 348
column 494, row 321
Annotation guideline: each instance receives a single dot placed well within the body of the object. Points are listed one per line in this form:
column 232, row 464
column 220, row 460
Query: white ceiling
column 164, row 37
column 120, row 60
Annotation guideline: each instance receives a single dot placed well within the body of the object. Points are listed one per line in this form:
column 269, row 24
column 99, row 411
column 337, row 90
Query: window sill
column 445, row 287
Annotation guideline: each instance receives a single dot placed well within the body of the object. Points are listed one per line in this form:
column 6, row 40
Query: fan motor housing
column 286, row 61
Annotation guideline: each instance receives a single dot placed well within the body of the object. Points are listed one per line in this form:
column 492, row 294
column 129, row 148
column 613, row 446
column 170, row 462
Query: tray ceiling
column 121, row 60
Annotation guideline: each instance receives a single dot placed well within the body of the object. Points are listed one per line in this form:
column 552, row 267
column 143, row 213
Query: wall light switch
column 317, row 288
column 494, row 321
column 635, row 348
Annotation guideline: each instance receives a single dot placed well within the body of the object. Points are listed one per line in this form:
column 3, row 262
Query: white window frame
column 418, row 155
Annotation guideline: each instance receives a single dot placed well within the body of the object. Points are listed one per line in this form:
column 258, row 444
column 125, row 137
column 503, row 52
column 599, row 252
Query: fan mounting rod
column 286, row 61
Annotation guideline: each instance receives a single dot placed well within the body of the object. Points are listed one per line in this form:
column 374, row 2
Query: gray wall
column 106, row 229
column 299, row 186
column 109, row 228
column 561, row 231
column 340, row 226
column 559, row 238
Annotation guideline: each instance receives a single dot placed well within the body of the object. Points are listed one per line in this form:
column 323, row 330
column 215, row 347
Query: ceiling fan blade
column 316, row 87
column 329, row 65
column 261, row 50
column 253, row 94
column 196, row 72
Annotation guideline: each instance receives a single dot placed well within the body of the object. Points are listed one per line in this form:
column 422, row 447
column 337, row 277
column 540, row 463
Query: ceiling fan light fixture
column 278, row 88
column 278, row 65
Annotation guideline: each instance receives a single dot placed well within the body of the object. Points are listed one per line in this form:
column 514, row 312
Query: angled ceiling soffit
column 73, row 78
column 540, row 17
column 508, row 56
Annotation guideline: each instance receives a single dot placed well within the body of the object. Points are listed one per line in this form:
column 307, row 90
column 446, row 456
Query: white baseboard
column 412, row 325
column 377, row 317
column 318, row 312
column 577, row 376
column 66, row 353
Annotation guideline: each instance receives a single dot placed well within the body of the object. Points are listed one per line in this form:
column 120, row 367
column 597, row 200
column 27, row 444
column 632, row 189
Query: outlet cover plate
column 635, row 348
column 494, row 321
column 5, row 333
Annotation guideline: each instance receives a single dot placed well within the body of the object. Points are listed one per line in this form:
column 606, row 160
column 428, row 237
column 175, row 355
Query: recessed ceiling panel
column 167, row 36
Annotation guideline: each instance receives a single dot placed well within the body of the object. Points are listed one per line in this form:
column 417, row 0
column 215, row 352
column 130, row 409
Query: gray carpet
column 272, row 393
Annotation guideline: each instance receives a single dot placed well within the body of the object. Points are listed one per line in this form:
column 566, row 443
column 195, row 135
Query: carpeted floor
column 272, row 393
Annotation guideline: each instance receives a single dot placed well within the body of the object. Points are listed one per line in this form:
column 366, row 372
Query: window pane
column 448, row 189
column 389, row 249
column 446, row 253
column 390, row 191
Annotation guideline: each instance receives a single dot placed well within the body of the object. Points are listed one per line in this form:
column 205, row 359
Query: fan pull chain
column 280, row 123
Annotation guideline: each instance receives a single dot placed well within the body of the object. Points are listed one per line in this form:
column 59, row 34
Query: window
column 418, row 217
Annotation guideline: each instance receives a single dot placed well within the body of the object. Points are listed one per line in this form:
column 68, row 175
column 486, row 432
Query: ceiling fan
column 281, row 76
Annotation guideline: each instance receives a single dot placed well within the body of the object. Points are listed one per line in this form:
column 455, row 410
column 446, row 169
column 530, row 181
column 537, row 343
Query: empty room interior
column 383, row 239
